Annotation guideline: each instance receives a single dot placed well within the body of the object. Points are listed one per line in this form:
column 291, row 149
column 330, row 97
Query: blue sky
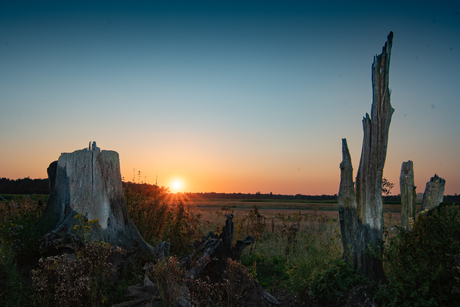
column 228, row 96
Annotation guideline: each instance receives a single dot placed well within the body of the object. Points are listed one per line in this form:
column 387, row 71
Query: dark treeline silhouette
column 257, row 196
column 41, row 186
column 24, row 186
column 149, row 190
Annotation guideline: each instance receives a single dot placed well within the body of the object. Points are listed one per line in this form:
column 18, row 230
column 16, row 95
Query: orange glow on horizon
column 175, row 198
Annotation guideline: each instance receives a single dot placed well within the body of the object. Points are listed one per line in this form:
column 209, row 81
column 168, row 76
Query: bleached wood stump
column 88, row 182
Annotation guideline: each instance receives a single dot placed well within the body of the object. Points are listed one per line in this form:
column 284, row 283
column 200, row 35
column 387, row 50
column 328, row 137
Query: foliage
column 227, row 292
column 86, row 227
column 206, row 294
column 69, row 280
column 334, row 284
column 418, row 264
column 269, row 271
column 182, row 227
column 252, row 223
column 14, row 291
column 157, row 220
column 169, row 278
column 292, row 249
column 18, row 218
column 386, row 186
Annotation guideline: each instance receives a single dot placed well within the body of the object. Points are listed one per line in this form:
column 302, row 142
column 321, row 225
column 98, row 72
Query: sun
column 176, row 184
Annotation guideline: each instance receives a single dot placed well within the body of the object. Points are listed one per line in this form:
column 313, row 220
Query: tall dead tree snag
column 85, row 185
column 408, row 194
column 360, row 207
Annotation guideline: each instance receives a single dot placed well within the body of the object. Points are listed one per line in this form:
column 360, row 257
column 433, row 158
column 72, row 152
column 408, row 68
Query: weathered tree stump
column 408, row 194
column 360, row 209
column 88, row 182
column 434, row 193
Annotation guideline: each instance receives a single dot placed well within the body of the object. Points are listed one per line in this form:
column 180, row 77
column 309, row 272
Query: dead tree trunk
column 408, row 194
column 434, row 193
column 88, row 182
column 360, row 209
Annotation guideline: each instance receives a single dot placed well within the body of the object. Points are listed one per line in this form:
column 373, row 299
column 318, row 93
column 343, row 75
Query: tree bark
column 88, row 182
column 434, row 193
column 363, row 230
column 408, row 194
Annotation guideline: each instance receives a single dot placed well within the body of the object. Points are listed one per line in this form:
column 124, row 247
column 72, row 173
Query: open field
column 266, row 204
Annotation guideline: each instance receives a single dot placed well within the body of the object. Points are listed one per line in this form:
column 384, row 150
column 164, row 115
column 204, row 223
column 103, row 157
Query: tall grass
column 158, row 220
column 290, row 247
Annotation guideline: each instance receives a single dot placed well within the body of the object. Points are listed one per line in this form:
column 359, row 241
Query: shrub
column 18, row 218
column 333, row 285
column 269, row 271
column 169, row 278
column 418, row 264
column 69, row 280
column 227, row 292
column 14, row 290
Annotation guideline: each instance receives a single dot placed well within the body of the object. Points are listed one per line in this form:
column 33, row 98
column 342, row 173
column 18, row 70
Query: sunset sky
column 228, row 96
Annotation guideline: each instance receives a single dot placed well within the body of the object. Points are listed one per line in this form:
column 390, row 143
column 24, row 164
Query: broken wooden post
column 360, row 208
column 85, row 185
column 434, row 193
column 408, row 194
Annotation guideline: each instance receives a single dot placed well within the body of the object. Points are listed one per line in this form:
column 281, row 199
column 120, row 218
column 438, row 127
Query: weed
column 18, row 218
column 333, row 284
column 169, row 278
column 227, row 292
column 14, row 291
column 157, row 220
column 75, row 280
column 418, row 263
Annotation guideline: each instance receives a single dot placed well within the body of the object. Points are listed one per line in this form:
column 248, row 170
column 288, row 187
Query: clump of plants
column 269, row 271
column 18, row 218
column 169, row 278
column 252, row 223
column 333, row 285
column 157, row 220
column 83, row 279
column 418, row 263
column 227, row 292
column 295, row 248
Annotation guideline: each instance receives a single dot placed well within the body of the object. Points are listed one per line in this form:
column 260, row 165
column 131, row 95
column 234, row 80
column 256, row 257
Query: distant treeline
column 258, row 195
column 41, row 186
column 24, row 186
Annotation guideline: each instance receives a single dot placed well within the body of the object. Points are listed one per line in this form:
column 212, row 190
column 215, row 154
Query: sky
column 228, row 96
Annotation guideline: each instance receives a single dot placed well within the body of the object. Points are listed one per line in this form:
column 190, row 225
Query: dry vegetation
column 297, row 250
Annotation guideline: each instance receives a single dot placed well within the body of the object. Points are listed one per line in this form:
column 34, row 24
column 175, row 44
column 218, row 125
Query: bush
column 270, row 271
column 14, row 290
column 333, row 284
column 18, row 219
column 418, row 264
column 229, row 292
column 169, row 278
column 81, row 280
